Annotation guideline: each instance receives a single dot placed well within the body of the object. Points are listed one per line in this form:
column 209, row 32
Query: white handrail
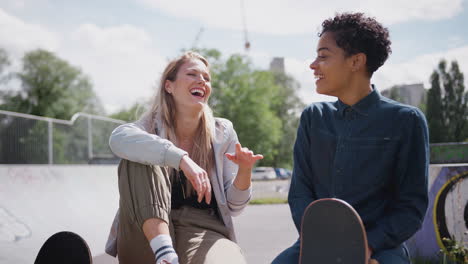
column 60, row 121
column 50, row 121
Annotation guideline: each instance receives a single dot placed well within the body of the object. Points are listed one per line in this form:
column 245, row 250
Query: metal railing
column 29, row 139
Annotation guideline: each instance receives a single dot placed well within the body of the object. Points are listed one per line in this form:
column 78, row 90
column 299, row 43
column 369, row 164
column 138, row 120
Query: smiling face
column 192, row 85
column 332, row 68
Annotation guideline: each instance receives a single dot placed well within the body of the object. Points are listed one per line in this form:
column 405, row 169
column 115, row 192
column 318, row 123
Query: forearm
column 243, row 179
column 397, row 226
column 131, row 142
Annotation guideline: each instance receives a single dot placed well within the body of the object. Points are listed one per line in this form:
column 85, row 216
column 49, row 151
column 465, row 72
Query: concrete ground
column 263, row 231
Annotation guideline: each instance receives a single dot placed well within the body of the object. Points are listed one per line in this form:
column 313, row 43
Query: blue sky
column 123, row 45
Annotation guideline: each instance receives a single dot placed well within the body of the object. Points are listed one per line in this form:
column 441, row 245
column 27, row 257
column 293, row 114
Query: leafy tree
column 394, row 94
column 447, row 109
column 246, row 96
column 4, row 63
column 132, row 113
column 435, row 110
column 288, row 108
column 51, row 87
column 275, row 97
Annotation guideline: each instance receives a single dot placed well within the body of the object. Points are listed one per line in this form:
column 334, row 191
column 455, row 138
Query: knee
column 289, row 255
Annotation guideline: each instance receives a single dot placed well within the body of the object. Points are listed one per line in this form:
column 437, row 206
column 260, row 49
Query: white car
column 263, row 173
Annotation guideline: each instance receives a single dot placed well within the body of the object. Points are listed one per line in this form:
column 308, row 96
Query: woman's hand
column 244, row 157
column 198, row 177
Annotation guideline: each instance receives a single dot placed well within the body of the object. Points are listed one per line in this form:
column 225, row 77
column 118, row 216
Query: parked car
column 281, row 173
column 263, row 173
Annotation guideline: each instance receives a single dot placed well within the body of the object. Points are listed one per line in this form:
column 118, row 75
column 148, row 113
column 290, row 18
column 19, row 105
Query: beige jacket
column 133, row 142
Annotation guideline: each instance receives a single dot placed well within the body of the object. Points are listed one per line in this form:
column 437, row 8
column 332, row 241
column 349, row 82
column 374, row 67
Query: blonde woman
column 182, row 177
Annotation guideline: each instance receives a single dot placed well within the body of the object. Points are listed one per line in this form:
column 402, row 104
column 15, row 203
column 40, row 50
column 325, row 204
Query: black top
column 179, row 198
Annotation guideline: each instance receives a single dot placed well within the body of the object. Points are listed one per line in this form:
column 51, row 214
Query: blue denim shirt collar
column 364, row 106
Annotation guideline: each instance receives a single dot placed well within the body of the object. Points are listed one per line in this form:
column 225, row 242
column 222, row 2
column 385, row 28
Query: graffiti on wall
column 11, row 228
column 447, row 214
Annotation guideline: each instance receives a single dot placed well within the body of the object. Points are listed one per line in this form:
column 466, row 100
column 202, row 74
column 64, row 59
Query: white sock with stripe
column 163, row 250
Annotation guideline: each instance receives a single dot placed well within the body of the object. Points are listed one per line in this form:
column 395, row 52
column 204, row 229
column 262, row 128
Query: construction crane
column 246, row 38
column 197, row 38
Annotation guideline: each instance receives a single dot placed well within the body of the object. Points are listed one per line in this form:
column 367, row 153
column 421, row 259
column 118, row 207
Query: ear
column 358, row 62
column 168, row 86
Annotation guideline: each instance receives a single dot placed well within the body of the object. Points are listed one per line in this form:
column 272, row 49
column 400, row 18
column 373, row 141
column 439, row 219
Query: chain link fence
column 28, row 139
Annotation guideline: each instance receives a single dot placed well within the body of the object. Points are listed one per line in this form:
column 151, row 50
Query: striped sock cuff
column 162, row 251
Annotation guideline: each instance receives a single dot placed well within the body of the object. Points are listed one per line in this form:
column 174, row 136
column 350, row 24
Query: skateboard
column 332, row 233
column 64, row 247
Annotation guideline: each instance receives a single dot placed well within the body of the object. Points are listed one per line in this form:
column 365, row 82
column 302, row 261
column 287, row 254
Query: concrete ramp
column 36, row 201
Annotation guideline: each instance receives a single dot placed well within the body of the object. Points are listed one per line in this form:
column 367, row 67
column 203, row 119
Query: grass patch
column 269, row 201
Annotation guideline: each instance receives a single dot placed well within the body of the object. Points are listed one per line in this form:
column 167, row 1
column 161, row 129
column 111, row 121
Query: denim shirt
column 374, row 155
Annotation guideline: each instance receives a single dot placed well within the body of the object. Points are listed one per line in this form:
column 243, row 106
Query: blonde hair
column 164, row 108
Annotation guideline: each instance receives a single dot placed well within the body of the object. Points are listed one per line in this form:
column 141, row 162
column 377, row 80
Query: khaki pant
column 199, row 236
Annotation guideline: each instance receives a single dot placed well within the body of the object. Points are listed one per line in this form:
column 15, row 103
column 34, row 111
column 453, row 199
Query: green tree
column 132, row 113
column 4, row 63
column 287, row 108
column 51, row 87
column 246, row 96
column 434, row 110
column 394, row 93
column 447, row 109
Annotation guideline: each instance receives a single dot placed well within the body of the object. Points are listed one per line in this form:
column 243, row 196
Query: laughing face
column 192, row 86
column 332, row 69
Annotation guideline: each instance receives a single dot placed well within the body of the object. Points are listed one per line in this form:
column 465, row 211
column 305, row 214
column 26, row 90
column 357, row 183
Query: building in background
column 412, row 94
column 277, row 64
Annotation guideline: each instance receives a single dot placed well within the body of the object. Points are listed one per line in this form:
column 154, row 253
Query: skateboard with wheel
column 332, row 233
column 64, row 247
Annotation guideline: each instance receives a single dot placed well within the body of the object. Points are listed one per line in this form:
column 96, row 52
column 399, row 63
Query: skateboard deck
column 332, row 233
column 64, row 247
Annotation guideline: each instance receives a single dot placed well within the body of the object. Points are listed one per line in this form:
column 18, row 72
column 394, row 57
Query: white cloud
column 419, row 69
column 285, row 17
column 122, row 61
column 17, row 36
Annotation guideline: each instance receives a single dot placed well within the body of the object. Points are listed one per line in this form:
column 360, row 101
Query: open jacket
column 134, row 142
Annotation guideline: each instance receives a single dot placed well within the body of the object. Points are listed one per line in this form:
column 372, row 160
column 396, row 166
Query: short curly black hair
column 356, row 33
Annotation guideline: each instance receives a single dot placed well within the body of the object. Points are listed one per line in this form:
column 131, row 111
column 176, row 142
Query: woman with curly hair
column 183, row 175
column 363, row 148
